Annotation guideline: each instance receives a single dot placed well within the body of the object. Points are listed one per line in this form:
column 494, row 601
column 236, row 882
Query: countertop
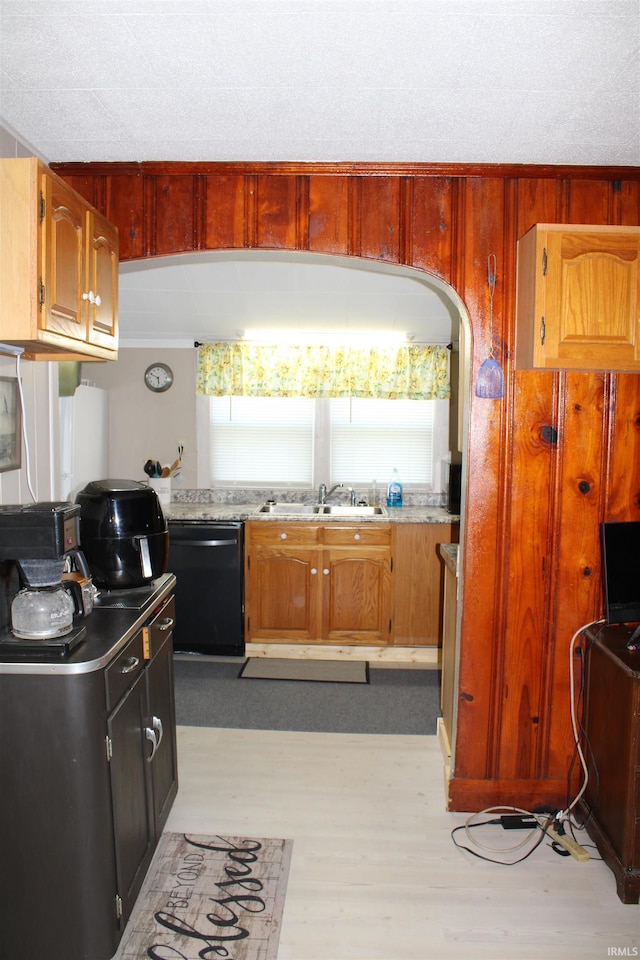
column 250, row 511
column 108, row 629
column 449, row 554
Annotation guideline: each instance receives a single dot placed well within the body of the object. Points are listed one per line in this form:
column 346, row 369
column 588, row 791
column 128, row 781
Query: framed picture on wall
column 10, row 440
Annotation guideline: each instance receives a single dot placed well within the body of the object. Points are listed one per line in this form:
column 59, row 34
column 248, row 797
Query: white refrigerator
column 84, row 436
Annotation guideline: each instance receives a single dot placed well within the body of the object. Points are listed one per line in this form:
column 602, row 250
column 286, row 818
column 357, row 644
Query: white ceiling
column 227, row 296
column 550, row 81
column 461, row 81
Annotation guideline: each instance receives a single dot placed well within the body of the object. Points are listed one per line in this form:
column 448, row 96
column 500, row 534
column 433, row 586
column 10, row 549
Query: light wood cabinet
column 578, row 298
column 309, row 583
column 418, row 582
column 58, row 268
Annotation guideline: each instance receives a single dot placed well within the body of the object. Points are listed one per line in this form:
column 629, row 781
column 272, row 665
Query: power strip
column 576, row 851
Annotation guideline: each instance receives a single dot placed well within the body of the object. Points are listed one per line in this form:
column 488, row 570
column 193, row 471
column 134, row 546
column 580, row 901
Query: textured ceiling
column 459, row 81
column 551, row 81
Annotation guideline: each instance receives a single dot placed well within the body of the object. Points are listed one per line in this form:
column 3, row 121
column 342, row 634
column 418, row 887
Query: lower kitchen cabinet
column 88, row 769
column 419, row 582
column 314, row 583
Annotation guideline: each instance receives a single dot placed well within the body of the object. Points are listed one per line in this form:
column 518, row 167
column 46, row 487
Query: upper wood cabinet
column 578, row 298
column 58, row 268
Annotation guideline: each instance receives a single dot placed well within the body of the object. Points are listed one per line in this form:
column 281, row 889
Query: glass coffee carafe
column 42, row 613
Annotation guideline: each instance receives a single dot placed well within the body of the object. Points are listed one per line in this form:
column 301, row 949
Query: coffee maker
column 41, row 602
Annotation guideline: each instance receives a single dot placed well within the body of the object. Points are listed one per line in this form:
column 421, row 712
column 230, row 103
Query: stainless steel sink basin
column 321, row 509
column 345, row 510
column 298, row 509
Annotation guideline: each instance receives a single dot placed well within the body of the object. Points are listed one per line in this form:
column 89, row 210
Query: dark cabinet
column 88, row 770
column 612, row 728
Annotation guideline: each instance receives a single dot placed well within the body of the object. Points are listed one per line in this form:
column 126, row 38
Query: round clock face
column 158, row 377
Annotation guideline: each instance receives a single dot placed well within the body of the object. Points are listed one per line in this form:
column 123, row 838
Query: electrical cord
column 563, row 814
column 24, row 428
column 537, row 834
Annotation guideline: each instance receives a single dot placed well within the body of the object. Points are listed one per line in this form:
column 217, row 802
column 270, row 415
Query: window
column 298, row 442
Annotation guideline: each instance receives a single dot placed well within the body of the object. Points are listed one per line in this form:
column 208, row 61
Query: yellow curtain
column 412, row 372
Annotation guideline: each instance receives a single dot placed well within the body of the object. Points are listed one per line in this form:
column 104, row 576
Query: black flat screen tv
column 621, row 571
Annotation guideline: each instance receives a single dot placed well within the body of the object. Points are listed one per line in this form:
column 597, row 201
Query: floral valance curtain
column 411, row 372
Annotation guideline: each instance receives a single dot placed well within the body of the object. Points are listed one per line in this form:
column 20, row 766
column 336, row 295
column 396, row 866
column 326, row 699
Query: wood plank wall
column 531, row 567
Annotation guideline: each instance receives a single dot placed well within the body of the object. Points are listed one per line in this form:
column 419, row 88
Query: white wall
column 145, row 425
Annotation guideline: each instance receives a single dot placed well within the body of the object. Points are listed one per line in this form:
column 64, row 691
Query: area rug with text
column 210, row 897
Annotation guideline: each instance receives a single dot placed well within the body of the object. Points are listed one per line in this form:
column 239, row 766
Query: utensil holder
column 162, row 486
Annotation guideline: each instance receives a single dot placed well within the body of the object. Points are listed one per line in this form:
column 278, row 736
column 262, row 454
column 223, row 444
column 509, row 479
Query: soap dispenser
column 394, row 491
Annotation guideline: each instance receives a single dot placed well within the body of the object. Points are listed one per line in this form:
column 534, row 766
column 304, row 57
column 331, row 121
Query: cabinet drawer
column 122, row 673
column 371, row 534
column 160, row 627
column 272, row 534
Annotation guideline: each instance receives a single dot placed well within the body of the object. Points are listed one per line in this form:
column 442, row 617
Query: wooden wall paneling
column 480, row 207
column 174, row 226
column 588, row 201
column 622, row 497
column 124, row 206
column 277, row 212
column 224, row 212
column 329, row 214
column 537, row 202
column 531, row 482
column 625, row 203
column 431, row 225
column 574, row 583
column 380, row 218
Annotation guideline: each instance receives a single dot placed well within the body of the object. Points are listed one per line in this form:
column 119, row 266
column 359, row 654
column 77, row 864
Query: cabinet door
column 356, row 588
column 101, row 301
column 284, row 590
column 578, row 304
column 161, row 720
column 131, row 792
column 62, row 272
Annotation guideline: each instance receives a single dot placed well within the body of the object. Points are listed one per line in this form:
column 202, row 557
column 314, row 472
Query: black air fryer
column 123, row 533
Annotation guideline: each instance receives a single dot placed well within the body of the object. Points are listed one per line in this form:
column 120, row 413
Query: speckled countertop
column 250, row 511
column 449, row 554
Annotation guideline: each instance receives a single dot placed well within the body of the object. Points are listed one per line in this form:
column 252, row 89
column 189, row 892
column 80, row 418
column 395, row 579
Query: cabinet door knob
column 97, row 300
column 283, row 536
column 356, row 536
column 313, row 571
column 326, row 572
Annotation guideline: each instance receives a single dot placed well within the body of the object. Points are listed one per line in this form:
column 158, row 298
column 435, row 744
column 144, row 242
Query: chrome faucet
column 323, row 493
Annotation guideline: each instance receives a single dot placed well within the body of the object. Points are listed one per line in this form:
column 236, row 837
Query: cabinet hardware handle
column 165, row 624
column 283, row 536
column 356, row 536
column 130, row 664
column 152, row 736
column 313, row 571
column 326, row 572
column 543, row 332
column 97, row 300
column 156, row 723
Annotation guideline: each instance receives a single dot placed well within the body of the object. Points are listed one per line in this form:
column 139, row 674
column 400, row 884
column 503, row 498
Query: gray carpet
column 209, row 693
column 318, row 671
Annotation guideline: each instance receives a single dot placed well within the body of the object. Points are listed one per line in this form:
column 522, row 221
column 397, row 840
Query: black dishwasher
column 208, row 562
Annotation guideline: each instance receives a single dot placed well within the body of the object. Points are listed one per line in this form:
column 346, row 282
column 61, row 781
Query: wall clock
column 158, row 377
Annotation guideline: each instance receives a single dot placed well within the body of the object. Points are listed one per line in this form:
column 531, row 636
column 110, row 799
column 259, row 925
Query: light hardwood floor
column 374, row 873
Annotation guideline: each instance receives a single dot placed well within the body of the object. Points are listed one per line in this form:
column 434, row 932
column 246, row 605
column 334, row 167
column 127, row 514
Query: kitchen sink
column 321, row 509
column 344, row 510
column 302, row 509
